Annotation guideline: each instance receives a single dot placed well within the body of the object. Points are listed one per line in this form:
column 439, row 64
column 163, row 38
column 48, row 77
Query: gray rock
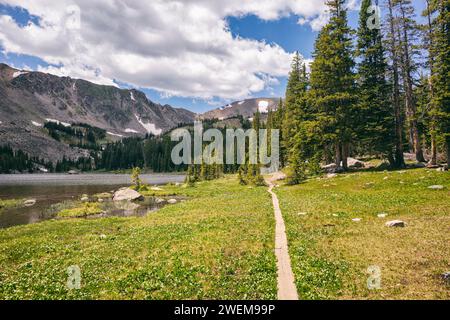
column 172, row 201
column 29, row 203
column 436, row 187
column 127, row 194
column 159, row 200
column 355, row 163
column 396, row 224
column 330, row 168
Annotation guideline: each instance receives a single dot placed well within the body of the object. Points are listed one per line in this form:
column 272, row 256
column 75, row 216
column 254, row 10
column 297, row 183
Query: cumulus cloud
column 181, row 48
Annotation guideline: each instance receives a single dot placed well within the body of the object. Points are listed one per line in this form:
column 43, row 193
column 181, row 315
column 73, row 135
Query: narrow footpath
column 286, row 282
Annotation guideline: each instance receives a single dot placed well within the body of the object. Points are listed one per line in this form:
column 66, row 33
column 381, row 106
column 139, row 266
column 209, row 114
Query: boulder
column 436, row 187
column 156, row 189
column 29, row 203
column 357, row 220
column 159, row 200
column 382, row 215
column 172, row 201
column 330, row 168
column 355, row 163
column 84, row 198
column 396, row 224
column 127, row 194
column 73, row 172
column 331, row 175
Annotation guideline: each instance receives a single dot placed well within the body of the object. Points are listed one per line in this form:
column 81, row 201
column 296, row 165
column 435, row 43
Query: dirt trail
column 286, row 282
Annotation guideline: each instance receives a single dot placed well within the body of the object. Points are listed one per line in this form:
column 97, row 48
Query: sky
column 195, row 54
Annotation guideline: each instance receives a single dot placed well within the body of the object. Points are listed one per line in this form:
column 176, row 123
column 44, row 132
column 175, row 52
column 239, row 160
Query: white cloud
column 180, row 48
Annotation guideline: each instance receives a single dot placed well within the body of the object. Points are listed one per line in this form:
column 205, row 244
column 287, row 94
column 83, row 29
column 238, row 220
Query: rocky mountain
column 246, row 108
column 28, row 100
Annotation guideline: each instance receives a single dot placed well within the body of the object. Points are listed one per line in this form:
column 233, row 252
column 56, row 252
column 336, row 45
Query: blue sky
column 285, row 32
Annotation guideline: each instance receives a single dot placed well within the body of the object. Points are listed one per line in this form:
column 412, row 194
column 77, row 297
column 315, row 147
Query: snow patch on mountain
column 241, row 103
column 150, row 127
column 114, row 134
column 263, row 106
column 19, row 73
column 132, row 96
column 65, row 124
column 130, row 131
column 36, row 124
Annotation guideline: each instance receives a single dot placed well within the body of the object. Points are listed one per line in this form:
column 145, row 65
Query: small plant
column 5, row 204
column 135, row 178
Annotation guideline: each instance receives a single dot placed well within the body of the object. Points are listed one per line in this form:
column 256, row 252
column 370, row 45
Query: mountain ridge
column 28, row 99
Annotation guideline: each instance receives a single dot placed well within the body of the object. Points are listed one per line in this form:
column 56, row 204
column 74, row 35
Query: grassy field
column 217, row 245
column 331, row 253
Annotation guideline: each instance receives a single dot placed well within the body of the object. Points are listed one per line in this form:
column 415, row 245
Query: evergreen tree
column 442, row 75
column 392, row 45
column 332, row 82
column 376, row 122
column 429, row 105
column 407, row 29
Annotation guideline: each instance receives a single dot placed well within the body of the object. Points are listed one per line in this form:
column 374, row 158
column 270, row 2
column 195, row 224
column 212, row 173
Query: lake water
column 51, row 189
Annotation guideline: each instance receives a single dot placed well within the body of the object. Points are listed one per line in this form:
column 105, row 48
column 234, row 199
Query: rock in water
column 396, row 224
column 436, row 187
column 29, row 203
column 127, row 194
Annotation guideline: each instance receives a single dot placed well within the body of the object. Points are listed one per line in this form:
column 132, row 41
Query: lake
column 51, row 189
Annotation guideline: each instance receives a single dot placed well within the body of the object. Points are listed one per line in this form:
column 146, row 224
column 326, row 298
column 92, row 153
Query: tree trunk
column 338, row 153
column 345, row 154
column 433, row 160
column 448, row 154
column 411, row 109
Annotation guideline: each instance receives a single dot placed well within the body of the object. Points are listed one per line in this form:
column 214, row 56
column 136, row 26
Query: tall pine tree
column 333, row 82
column 442, row 76
column 376, row 122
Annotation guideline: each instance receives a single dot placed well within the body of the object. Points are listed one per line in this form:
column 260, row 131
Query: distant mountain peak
column 246, row 108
